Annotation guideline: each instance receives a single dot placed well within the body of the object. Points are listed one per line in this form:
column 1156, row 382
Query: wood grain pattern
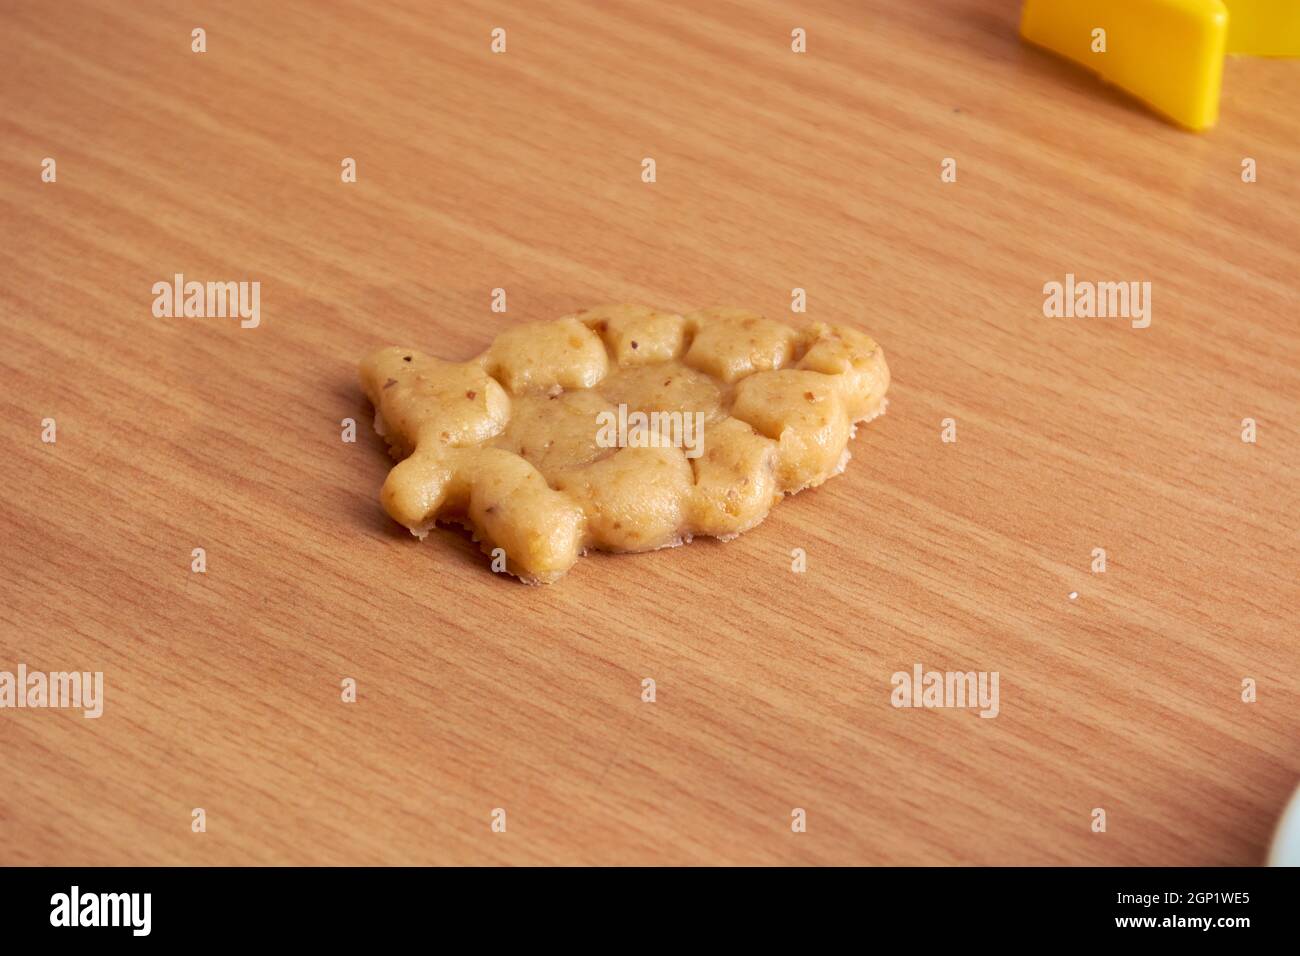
column 522, row 171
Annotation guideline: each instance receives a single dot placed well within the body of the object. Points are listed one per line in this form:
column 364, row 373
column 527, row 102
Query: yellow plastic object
column 1264, row 27
column 1168, row 53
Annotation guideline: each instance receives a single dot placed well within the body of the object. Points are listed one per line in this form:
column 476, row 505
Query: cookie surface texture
column 620, row 428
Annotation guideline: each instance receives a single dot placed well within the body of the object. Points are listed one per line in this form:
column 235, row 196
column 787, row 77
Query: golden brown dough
column 510, row 443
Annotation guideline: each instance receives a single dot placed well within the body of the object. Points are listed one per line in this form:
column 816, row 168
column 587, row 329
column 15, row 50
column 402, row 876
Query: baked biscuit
column 720, row 413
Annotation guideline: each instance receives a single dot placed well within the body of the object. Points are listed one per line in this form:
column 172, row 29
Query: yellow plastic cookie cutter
column 1167, row 53
column 1264, row 27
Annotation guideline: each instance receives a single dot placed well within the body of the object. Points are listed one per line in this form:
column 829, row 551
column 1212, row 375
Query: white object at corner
column 1286, row 841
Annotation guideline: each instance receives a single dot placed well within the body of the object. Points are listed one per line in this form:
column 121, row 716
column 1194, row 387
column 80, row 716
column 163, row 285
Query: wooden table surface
column 522, row 170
